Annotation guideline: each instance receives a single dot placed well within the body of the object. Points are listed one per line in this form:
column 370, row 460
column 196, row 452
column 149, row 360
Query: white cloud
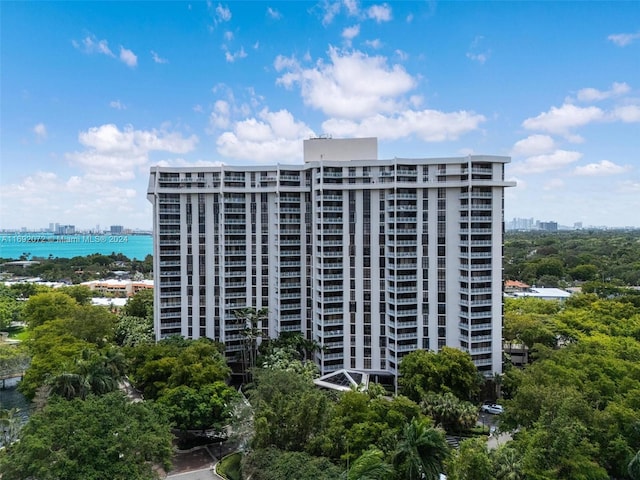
column 232, row 57
column 533, row 145
column 273, row 137
column 428, row 125
column 350, row 33
column 181, row 162
column 380, row 13
column 365, row 96
column 157, row 58
column 222, row 13
column 481, row 58
column 593, row 94
column 475, row 53
column 546, row 162
column 228, row 35
column 281, row 63
column 128, row 57
column 198, row 108
column 375, row 43
column 328, row 11
column 273, row 13
column 402, row 55
column 605, row 167
column 75, row 197
column 40, row 131
column 90, row 44
column 352, row 7
column 219, row 118
column 627, row 113
column 117, row 104
column 623, row 39
column 352, row 85
column 112, row 154
column 553, row 184
column 561, row 120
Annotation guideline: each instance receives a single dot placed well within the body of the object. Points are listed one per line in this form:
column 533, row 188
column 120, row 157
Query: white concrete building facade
column 371, row 258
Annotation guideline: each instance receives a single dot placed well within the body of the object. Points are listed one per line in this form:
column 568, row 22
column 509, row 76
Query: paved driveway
column 204, row 474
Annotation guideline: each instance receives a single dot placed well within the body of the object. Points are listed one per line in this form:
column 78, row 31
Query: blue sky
column 93, row 94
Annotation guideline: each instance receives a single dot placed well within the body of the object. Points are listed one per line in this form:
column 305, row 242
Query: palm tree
column 69, row 385
column 421, row 452
column 10, row 425
column 634, row 467
column 497, row 383
column 252, row 319
column 507, row 464
column 370, row 466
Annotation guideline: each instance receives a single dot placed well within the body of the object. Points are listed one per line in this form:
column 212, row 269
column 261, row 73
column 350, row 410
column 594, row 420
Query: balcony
column 339, row 321
column 290, row 263
column 333, row 333
column 403, row 278
column 476, row 291
column 289, row 241
column 170, row 295
column 166, row 243
column 404, row 348
column 332, row 243
column 290, row 274
column 170, row 263
column 476, row 230
column 476, row 328
column 170, row 273
column 477, row 303
column 476, row 243
column 402, row 196
column 466, row 195
column 405, row 313
column 411, row 289
column 290, row 306
column 234, row 200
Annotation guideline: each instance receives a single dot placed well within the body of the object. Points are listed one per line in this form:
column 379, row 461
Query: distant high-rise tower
column 370, row 258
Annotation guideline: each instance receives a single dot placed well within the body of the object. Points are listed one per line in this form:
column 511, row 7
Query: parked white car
column 492, row 408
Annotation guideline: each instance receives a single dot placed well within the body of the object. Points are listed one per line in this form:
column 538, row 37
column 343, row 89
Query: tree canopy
column 449, row 370
column 100, row 438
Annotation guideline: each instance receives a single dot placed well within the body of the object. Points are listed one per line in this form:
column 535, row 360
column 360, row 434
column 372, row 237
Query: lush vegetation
column 576, row 406
column 10, row 306
column 80, row 269
column 229, row 466
column 100, row 437
column 81, row 361
column 561, row 258
column 573, row 411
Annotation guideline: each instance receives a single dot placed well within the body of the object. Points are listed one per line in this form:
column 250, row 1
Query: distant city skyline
column 95, row 93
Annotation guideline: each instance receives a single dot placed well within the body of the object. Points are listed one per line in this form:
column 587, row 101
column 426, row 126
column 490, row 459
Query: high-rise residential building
column 370, row 258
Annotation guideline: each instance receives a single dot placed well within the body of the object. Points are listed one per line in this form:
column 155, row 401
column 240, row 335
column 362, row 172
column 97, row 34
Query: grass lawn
column 229, row 467
column 18, row 333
